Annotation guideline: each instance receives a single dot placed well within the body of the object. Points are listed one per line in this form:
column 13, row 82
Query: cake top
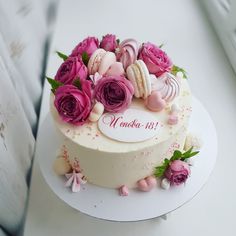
column 125, row 95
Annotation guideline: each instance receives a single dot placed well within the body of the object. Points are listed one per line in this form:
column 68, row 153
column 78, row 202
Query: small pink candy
column 172, row 119
column 151, row 181
column 116, row 69
column 154, row 102
column 147, row 184
column 123, row 191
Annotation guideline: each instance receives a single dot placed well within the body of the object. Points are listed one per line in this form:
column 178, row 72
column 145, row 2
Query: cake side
column 123, row 110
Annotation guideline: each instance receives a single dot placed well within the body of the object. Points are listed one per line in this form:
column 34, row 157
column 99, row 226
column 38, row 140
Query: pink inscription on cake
column 131, row 126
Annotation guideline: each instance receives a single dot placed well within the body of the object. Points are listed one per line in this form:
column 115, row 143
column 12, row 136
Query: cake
column 122, row 110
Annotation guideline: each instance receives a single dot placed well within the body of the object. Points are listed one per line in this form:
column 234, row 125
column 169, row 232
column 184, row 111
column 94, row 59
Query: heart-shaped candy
column 154, row 102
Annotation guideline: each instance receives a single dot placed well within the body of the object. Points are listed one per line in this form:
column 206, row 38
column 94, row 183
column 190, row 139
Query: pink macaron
column 101, row 61
column 116, row 69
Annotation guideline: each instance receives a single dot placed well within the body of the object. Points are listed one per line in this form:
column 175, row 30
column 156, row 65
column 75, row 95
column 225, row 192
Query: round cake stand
column 104, row 203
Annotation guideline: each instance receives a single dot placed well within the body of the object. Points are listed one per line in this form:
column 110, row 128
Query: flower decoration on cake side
column 176, row 170
column 74, row 177
column 112, row 73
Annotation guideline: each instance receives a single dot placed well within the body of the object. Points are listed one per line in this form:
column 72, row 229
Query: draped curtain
column 24, row 30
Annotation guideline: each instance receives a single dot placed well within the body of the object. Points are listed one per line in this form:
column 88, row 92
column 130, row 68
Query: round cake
column 123, row 111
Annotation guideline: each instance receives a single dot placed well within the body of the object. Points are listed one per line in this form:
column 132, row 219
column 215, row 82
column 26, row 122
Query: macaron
column 116, row 69
column 100, row 61
column 138, row 74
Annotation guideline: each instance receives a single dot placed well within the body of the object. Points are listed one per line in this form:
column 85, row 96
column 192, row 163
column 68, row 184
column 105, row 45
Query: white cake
column 123, row 112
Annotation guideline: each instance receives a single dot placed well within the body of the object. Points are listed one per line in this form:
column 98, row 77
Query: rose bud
column 177, row 172
column 88, row 45
column 109, row 43
column 155, row 59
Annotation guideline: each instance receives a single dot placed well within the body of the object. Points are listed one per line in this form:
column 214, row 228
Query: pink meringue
column 127, row 52
column 168, row 85
column 74, row 181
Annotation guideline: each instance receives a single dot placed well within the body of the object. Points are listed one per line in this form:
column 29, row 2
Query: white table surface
column 191, row 42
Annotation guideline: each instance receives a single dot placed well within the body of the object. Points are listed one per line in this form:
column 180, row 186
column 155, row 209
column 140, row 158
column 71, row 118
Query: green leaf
column 160, row 170
column 185, row 154
column 77, row 83
column 176, row 155
column 161, row 45
column 85, row 58
column 189, row 156
column 54, row 84
column 175, row 69
column 62, row 55
column 118, row 41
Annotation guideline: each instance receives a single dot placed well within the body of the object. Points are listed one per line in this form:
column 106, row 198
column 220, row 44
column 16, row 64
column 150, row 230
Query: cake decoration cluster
column 73, row 174
column 176, row 170
column 106, row 75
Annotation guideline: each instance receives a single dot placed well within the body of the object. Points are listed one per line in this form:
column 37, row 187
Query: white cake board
column 106, row 204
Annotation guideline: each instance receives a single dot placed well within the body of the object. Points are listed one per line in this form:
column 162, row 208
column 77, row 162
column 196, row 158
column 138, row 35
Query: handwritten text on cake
column 131, row 126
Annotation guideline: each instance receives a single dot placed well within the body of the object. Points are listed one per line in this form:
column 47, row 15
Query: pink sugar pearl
column 172, row 119
column 124, row 191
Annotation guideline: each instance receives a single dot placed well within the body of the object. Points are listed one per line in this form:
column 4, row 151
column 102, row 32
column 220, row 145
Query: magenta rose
column 177, row 172
column 155, row 59
column 108, row 42
column 88, row 45
column 73, row 104
column 114, row 92
column 70, row 70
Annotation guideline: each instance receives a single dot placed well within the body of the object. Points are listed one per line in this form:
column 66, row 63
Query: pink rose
column 70, row 70
column 177, row 172
column 155, row 59
column 73, row 104
column 88, row 45
column 114, row 92
column 108, row 42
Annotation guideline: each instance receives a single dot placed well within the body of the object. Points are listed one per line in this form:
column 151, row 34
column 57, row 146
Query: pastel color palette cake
column 122, row 110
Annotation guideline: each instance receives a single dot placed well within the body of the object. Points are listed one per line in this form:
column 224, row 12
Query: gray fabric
column 23, row 32
column 2, row 233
